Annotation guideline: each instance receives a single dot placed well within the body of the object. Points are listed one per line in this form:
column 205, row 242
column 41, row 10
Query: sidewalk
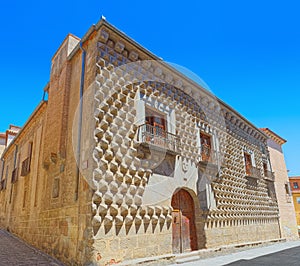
column 278, row 257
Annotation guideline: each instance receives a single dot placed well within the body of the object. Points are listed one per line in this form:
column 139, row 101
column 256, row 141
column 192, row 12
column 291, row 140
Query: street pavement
column 287, row 253
column 15, row 252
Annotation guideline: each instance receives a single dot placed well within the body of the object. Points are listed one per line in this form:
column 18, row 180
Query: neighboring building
column 7, row 137
column 295, row 188
column 164, row 166
column 288, row 224
column 2, row 142
column 5, row 140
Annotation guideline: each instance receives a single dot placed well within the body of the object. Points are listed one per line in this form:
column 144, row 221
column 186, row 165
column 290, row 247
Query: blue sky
column 248, row 52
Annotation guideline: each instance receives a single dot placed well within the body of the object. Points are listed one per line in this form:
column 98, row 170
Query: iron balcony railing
column 158, row 137
column 269, row 175
column 253, row 172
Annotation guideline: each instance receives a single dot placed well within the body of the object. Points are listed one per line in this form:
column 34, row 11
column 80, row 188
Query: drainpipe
column 80, row 119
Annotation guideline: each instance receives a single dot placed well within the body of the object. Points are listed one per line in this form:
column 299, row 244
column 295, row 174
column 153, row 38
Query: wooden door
column 183, row 226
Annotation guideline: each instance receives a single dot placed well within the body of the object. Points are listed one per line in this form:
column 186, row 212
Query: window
column 298, row 200
column 206, row 147
column 156, row 119
column 55, row 188
column 265, row 165
column 156, row 127
column 26, row 163
column 295, row 185
column 4, row 180
column 14, row 175
column 271, row 190
column 248, row 163
column 288, row 189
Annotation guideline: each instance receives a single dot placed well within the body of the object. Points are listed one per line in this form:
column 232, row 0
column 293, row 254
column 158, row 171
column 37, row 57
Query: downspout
column 80, row 120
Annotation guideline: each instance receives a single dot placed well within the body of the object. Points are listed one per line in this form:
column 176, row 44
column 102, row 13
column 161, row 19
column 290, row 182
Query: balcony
column 253, row 172
column 157, row 137
column 268, row 175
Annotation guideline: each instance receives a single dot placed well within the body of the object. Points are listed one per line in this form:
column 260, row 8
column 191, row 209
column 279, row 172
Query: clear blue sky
column 248, row 52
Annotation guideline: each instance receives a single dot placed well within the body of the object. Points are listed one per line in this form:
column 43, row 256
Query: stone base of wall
column 135, row 243
column 53, row 231
column 216, row 237
column 131, row 243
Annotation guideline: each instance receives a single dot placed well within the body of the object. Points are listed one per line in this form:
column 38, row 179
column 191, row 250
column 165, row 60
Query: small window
column 4, row 180
column 248, row 163
column 265, row 165
column 55, row 188
column 156, row 119
column 25, row 170
column 155, row 128
column 295, row 185
column 298, row 200
column 206, row 147
column 288, row 189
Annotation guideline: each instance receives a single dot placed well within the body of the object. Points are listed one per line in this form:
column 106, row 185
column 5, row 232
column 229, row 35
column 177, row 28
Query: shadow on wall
column 272, row 144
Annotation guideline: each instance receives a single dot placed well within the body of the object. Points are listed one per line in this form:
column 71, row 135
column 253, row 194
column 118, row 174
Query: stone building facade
column 279, row 174
column 295, row 191
column 129, row 158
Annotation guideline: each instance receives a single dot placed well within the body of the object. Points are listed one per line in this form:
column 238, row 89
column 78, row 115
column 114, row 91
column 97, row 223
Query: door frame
column 181, row 213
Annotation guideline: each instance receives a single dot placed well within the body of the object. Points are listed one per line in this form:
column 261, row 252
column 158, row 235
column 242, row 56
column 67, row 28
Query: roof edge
column 274, row 136
column 40, row 105
column 103, row 22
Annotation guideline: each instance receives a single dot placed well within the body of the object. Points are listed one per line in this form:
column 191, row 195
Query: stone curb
column 195, row 255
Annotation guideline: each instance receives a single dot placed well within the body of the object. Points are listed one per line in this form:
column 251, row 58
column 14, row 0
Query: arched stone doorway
column 183, row 225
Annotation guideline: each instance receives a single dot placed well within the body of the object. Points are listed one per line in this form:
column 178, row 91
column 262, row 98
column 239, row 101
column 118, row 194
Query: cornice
column 137, row 52
column 271, row 134
column 37, row 112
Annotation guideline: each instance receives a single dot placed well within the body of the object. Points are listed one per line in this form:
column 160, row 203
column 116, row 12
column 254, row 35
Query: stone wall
column 112, row 201
column 244, row 211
